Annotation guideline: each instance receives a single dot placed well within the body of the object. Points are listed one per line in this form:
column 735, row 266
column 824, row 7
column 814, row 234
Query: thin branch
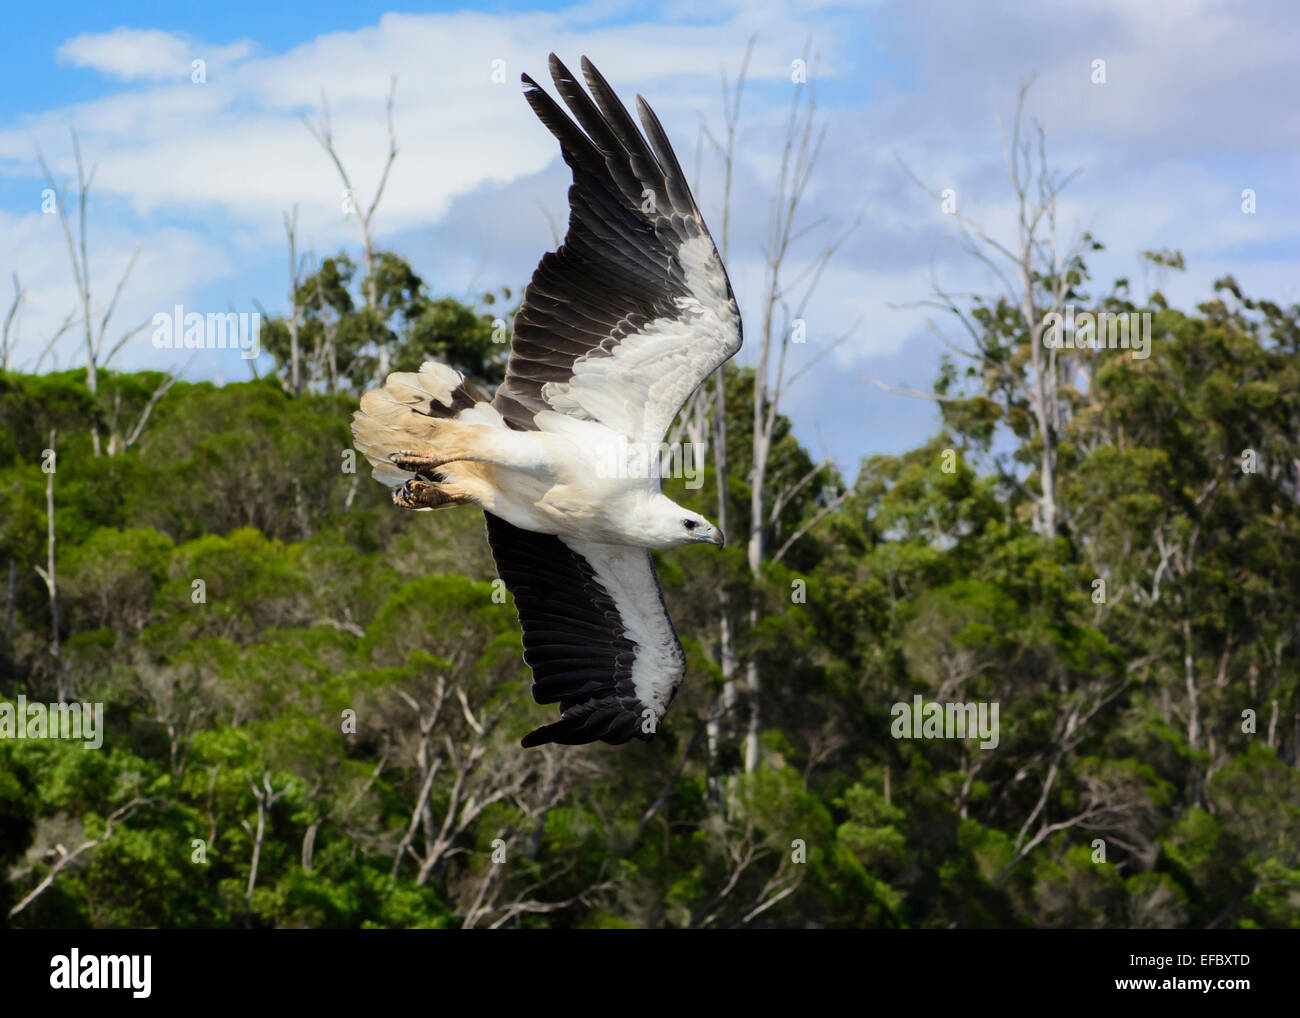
column 121, row 813
column 826, row 510
column 906, row 390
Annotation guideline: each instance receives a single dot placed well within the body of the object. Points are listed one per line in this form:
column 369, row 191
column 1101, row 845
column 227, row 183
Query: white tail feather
column 405, row 414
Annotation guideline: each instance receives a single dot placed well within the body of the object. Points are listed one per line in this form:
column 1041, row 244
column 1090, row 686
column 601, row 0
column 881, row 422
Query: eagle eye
column 690, row 524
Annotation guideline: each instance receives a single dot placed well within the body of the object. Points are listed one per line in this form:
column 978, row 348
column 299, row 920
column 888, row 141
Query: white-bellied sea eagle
column 617, row 329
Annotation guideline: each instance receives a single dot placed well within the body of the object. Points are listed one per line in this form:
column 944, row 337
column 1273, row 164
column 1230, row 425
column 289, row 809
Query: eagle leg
column 417, row 463
column 421, row 494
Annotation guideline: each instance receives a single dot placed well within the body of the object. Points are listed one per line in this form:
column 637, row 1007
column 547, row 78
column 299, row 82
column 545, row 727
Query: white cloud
column 146, row 54
column 237, row 143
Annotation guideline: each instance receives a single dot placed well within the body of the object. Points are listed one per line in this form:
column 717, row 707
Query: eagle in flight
column 617, row 329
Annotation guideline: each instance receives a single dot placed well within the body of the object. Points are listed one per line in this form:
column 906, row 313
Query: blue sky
column 1199, row 103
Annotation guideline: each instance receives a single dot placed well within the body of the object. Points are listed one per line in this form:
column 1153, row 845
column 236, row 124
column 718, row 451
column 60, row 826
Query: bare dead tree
column 65, row 858
column 295, row 307
column 455, row 748
column 99, row 354
column 47, row 572
column 1176, row 548
column 322, row 131
column 727, row 656
column 9, row 331
column 323, row 362
column 523, row 902
column 1034, row 275
column 502, row 892
column 266, row 798
column 1071, row 728
column 786, row 298
column 1113, row 803
column 12, row 329
column 474, row 787
column 426, row 761
column 742, row 848
column 212, row 802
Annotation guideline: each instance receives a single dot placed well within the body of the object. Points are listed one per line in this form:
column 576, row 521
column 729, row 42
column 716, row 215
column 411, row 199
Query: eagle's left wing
column 634, row 310
column 596, row 634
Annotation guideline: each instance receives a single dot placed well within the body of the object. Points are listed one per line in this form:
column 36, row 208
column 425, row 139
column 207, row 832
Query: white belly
column 586, row 508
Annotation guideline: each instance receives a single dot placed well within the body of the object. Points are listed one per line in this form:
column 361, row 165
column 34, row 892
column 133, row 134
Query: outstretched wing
column 596, row 634
column 634, row 310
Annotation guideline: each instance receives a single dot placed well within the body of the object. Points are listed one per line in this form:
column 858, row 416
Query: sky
column 1199, row 104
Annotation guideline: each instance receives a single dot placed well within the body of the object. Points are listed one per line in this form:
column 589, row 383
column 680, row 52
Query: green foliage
column 312, row 701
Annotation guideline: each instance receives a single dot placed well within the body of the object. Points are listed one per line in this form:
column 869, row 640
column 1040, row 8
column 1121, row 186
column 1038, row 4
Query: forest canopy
column 312, row 700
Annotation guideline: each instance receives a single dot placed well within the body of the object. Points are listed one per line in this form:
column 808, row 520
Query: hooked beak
column 718, row 538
